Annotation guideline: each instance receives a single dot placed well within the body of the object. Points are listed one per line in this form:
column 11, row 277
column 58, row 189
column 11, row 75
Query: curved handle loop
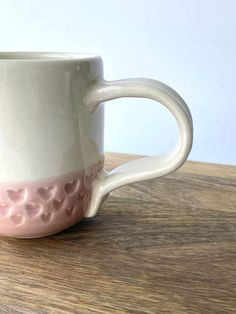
column 149, row 167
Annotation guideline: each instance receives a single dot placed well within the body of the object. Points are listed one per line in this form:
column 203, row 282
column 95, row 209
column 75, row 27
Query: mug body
column 51, row 147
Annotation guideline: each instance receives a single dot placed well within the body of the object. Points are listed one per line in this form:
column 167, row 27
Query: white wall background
column 188, row 44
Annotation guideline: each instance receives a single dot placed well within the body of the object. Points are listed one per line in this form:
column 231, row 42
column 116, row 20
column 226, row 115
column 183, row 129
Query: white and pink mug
column 51, row 140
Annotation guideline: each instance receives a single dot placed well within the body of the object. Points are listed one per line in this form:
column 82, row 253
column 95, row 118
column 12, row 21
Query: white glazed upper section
column 45, row 128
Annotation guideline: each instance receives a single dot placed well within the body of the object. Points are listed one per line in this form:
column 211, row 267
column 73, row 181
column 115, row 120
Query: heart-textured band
column 41, row 208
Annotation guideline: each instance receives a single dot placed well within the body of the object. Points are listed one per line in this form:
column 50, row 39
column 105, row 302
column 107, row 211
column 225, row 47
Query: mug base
column 52, row 232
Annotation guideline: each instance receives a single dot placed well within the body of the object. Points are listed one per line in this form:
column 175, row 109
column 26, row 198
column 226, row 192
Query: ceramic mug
column 51, row 139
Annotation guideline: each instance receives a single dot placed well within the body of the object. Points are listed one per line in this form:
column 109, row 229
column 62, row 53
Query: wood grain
column 160, row 246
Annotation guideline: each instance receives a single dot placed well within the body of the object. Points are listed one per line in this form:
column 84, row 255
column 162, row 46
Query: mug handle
column 148, row 167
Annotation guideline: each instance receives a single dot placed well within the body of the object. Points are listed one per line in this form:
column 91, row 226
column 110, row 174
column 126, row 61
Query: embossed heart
column 4, row 209
column 69, row 211
column 46, row 217
column 81, row 195
column 58, row 204
column 33, row 209
column 16, row 196
column 17, row 219
column 70, row 187
column 46, row 193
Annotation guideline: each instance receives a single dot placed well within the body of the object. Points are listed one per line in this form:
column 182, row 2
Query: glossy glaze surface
column 52, row 126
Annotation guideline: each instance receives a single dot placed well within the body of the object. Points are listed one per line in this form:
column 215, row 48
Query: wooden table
column 160, row 246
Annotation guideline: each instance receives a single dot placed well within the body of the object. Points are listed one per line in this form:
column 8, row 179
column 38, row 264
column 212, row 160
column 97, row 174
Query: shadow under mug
column 51, row 152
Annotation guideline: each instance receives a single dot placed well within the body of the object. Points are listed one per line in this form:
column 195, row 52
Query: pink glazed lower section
column 47, row 206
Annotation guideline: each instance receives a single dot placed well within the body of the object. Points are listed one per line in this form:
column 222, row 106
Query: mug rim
column 9, row 56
